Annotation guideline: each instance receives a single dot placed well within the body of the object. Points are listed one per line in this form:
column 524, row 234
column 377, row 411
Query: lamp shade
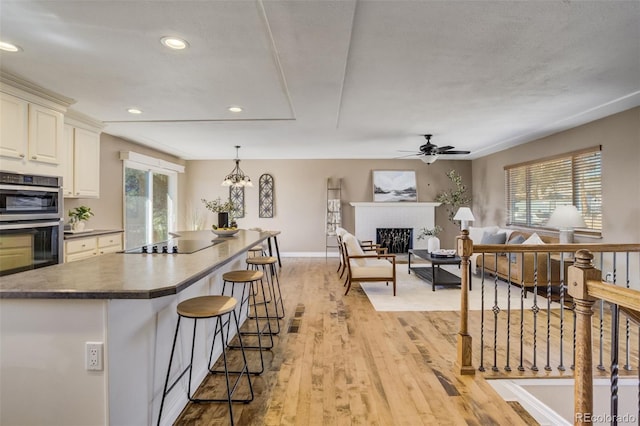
column 464, row 215
column 566, row 217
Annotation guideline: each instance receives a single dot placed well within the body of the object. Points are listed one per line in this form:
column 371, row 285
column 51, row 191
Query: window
column 150, row 199
column 534, row 189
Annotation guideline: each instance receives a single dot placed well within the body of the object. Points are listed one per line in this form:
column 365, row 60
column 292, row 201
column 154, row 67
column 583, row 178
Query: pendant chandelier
column 237, row 176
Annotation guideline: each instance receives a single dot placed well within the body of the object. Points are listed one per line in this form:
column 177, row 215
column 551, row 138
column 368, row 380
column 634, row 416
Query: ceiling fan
column 429, row 152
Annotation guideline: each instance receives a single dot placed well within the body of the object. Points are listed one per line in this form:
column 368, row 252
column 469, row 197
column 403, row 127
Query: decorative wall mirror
column 266, row 195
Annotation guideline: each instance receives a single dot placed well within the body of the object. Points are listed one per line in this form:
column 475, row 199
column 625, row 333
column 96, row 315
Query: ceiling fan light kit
column 429, row 152
column 429, row 159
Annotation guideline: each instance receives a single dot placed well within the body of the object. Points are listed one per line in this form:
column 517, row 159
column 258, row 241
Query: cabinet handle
column 84, row 245
column 77, row 193
column 34, row 157
column 21, row 155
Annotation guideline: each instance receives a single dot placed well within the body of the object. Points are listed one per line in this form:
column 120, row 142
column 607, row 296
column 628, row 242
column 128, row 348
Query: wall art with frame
column 394, row 186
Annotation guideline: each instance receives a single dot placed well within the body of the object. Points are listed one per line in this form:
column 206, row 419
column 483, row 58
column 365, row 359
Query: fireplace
column 396, row 240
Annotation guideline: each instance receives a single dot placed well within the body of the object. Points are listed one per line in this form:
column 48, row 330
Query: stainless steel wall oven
column 31, row 222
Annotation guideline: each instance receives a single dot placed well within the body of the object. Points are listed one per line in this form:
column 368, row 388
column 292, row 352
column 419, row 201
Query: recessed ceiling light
column 174, row 43
column 235, row 109
column 134, row 111
column 9, row 47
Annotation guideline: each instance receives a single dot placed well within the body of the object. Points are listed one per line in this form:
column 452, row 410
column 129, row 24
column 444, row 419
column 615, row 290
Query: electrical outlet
column 609, row 277
column 93, row 356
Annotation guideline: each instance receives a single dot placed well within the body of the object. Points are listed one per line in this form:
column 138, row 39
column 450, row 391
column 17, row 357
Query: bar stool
column 249, row 278
column 256, row 251
column 201, row 308
column 272, row 279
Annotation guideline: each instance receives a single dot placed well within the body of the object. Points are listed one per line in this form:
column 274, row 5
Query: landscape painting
column 394, row 186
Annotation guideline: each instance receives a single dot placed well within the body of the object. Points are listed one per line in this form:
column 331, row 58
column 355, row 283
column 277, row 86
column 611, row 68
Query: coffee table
column 434, row 274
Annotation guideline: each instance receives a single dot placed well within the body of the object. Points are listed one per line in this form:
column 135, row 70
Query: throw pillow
column 500, row 238
column 533, row 239
column 476, row 232
column 353, row 248
column 518, row 239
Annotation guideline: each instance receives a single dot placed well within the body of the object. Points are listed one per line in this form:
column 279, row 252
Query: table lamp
column 464, row 215
column 565, row 219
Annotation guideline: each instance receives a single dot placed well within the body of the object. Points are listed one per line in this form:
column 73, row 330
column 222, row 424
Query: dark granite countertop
column 129, row 276
column 92, row 233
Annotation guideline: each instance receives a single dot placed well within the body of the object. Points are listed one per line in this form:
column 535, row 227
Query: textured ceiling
column 331, row 79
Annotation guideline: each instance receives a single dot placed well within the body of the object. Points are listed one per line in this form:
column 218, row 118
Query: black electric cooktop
column 174, row 246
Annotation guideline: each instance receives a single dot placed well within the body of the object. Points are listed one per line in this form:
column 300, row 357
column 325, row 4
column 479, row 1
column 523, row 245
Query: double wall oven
column 31, row 222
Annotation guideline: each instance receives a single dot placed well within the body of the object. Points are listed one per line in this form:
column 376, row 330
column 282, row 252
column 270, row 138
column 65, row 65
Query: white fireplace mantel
column 370, row 216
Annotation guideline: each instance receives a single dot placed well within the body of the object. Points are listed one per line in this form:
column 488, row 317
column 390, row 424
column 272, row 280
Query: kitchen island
column 128, row 303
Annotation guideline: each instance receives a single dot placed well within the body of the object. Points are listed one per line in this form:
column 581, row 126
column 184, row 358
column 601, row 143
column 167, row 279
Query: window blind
column 534, row 189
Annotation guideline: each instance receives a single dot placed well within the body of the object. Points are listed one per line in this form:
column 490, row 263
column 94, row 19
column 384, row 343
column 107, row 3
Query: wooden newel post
column 581, row 272
column 465, row 350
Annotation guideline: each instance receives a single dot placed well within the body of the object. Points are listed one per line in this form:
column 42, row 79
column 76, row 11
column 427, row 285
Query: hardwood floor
column 338, row 361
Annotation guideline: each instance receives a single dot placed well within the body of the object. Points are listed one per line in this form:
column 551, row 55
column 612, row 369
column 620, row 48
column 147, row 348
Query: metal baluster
column 600, row 364
column 522, row 293
column 496, row 311
column 548, row 366
column 535, row 310
column 507, row 366
column 562, row 280
column 627, row 366
column 615, row 331
column 481, row 368
column 573, row 361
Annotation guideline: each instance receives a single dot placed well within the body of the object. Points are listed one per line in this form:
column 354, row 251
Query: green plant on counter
column 80, row 213
column 217, row 206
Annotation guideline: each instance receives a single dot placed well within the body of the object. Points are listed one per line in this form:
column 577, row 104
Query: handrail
column 585, row 286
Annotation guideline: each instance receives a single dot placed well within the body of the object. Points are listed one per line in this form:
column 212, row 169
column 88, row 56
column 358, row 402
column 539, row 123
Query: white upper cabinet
column 32, row 127
column 81, row 164
column 86, row 170
column 45, row 134
column 13, row 126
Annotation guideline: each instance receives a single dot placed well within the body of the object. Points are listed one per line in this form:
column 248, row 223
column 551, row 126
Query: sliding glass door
column 149, row 204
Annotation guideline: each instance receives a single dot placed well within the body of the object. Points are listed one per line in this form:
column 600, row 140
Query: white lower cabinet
column 85, row 247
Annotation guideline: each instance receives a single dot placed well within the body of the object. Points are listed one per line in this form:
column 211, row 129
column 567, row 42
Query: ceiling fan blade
column 415, row 154
column 456, row 152
column 444, row 148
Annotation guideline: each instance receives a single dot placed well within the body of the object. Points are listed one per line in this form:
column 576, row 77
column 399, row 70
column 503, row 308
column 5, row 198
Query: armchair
column 364, row 267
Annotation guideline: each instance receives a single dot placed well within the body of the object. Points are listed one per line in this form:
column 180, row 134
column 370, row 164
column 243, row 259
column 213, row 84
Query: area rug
column 415, row 294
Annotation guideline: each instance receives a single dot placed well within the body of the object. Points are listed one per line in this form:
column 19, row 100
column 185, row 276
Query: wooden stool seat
column 242, row 276
column 262, row 260
column 206, row 306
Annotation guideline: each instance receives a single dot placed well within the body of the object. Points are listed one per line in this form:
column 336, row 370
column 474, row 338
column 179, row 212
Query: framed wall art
column 394, row 186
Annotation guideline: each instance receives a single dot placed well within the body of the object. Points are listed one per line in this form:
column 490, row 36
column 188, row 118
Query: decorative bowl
column 225, row 232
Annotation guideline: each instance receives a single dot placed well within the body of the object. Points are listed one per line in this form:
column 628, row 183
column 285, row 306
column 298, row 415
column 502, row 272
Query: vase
column 223, row 219
column 78, row 226
column 433, row 244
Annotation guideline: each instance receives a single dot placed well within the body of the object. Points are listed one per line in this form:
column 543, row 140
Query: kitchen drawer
column 80, row 255
column 80, row 245
column 109, row 241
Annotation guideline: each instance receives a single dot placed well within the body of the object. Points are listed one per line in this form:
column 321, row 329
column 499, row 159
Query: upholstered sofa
column 521, row 270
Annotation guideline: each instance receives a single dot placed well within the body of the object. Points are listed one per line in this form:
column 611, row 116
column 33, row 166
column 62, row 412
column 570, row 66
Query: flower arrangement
column 426, row 232
column 217, row 206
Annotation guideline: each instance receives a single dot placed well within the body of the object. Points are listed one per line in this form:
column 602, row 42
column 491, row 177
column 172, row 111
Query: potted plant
column 78, row 216
column 455, row 197
column 224, row 210
column 433, row 242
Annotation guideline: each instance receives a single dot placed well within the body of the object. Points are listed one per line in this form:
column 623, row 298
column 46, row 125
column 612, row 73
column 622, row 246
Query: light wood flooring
column 339, row 362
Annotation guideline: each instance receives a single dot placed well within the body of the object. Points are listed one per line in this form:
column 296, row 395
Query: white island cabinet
column 128, row 303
